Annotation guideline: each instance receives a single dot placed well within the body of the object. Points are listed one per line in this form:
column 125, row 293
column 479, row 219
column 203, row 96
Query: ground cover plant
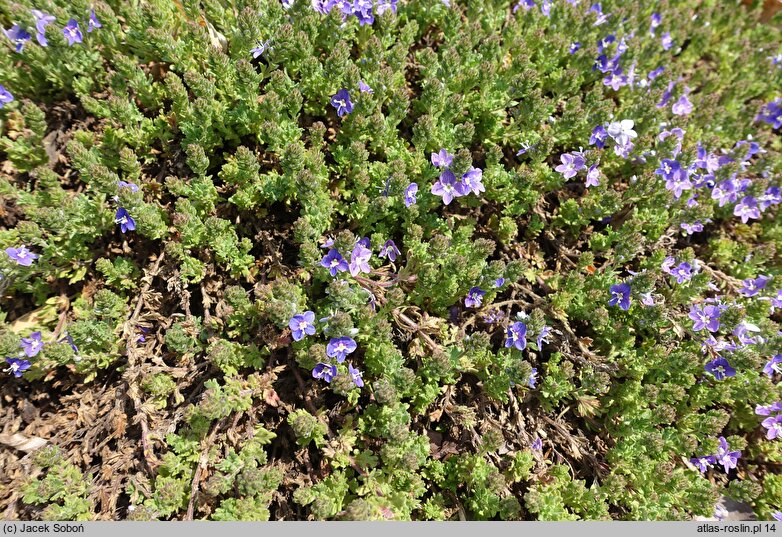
column 414, row 259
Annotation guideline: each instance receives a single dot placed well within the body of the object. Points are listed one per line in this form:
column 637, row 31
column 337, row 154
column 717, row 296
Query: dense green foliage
column 245, row 170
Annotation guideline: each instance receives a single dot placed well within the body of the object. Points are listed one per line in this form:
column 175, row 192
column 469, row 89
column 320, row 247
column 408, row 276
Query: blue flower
column 32, row 345
column 125, row 221
column 340, row 347
column 301, row 324
column 93, row 22
column 72, row 32
column 389, row 250
column 474, row 297
column 17, row 366
column 5, row 96
column 544, row 333
column 355, row 376
column 620, row 294
column 443, row 159
column 42, row 20
column 324, row 371
column 341, row 101
column 533, row 378
column 517, row 333
column 720, row 368
column 410, row 192
column 334, row 262
column 18, row 36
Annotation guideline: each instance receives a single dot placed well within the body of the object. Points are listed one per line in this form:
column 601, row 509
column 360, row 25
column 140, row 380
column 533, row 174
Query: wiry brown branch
column 132, row 374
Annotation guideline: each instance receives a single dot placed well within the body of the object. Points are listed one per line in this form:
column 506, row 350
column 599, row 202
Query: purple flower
column 389, row 250
column 656, row 21
column 359, row 260
column 324, row 371
column 707, row 317
column 544, row 333
column 259, row 48
column 598, row 137
column 17, row 366
column 18, row 36
column 32, row 345
column 667, row 41
column 410, row 192
column 772, row 196
column 517, row 333
column 668, row 167
column 526, row 4
column 774, row 426
column 603, row 43
column 773, row 366
column 678, row 182
column 753, row 287
column 682, row 107
column 386, row 5
column 499, row 282
column 69, row 339
column 323, row 6
column 5, row 96
column 532, row 378
column 361, row 9
column 647, row 299
column 334, row 262
column 743, row 329
column 42, row 20
column 655, row 73
column 125, row 221
column 443, row 159
column 21, row 255
column 301, row 324
column 341, row 101
column 682, row 272
column 720, row 368
column 615, row 79
column 363, row 87
column 72, row 33
column 570, row 166
column 493, row 316
column 525, row 147
column 355, row 376
column 620, row 294
column 746, row 209
column 777, row 515
column 93, row 22
column 689, row 229
column 472, row 181
column 725, row 457
column 448, row 187
column 771, row 113
column 593, row 176
column 340, row 347
column 765, row 410
column 703, row 463
column 537, row 444
column 132, row 186
column 622, row 132
column 474, row 297
column 142, row 336
column 574, row 47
